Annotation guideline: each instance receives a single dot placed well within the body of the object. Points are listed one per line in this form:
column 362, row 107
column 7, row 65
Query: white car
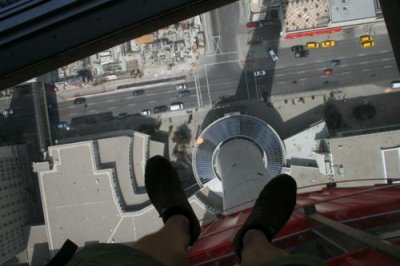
column 7, row 113
column 180, row 87
column 63, row 125
column 273, row 55
column 260, row 73
column 145, row 112
column 176, row 106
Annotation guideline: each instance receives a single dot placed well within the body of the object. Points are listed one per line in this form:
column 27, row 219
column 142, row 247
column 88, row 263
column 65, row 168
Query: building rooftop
column 82, row 192
column 345, row 10
column 366, row 157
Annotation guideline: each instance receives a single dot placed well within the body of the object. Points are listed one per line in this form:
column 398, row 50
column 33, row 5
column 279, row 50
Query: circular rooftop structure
column 234, row 127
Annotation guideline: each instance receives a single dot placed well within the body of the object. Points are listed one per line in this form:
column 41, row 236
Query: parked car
column 328, row 43
column 145, row 112
column 273, row 55
column 335, row 62
column 183, row 93
column 160, row 109
column 303, row 53
column 63, row 125
column 180, row 87
column 79, row 100
column 7, row 112
column 260, row 73
column 328, row 71
column 312, row 45
column 297, row 48
column 176, row 106
column 138, row 92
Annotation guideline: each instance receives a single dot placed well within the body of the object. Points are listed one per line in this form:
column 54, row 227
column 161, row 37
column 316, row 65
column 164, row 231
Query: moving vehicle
column 328, row 43
column 367, row 44
column 395, row 84
column 273, row 55
column 121, row 115
column 145, row 112
column 335, row 62
column 365, row 38
column 260, row 73
column 160, row 109
column 138, row 92
column 328, row 71
column 181, row 87
column 63, row 125
column 297, row 48
column 303, row 53
column 176, row 106
column 312, row 45
column 79, row 100
column 183, row 93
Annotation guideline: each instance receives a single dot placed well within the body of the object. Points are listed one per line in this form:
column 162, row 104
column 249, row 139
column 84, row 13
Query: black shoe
column 167, row 195
column 272, row 210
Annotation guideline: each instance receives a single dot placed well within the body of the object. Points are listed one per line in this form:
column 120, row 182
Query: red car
column 328, row 71
column 252, row 24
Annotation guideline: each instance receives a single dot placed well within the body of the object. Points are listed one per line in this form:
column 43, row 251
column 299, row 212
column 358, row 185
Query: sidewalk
column 348, row 32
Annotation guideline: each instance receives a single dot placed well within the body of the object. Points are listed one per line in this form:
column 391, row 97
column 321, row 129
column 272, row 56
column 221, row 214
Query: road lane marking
column 345, row 65
column 279, row 75
column 225, row 62
column 300, row 64
column 364, row 62
column 90, row 104
column 281, row 82
column 346, row 73
column 361, row 55
column 302, row 79
column 130, row 97
column 383, row 51
column 151, row 94
column 111, row 107
column 110, row 101
column 72, row 106
column 386, row 59
column 388, row 66
column 301, row 71
column 170, row 91
column 323, row 76
column 92, row 111
column 132, row 104
column 152, row 101
column 366, row 70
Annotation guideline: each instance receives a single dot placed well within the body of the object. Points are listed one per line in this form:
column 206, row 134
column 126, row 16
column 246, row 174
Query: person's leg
column 257, row 249
column 181, row 227
column 168, row 245
column 272, row 209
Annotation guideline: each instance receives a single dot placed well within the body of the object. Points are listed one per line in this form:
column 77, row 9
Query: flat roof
column 80, row 200
column 345, row 10
column 363, row 157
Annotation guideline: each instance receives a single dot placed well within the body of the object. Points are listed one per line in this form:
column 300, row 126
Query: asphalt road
column 224, row 74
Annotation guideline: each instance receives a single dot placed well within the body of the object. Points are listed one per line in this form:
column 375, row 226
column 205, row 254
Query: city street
column 227, row 70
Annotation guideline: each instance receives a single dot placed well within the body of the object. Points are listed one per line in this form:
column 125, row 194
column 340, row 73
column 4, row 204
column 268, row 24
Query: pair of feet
column 271, row 211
